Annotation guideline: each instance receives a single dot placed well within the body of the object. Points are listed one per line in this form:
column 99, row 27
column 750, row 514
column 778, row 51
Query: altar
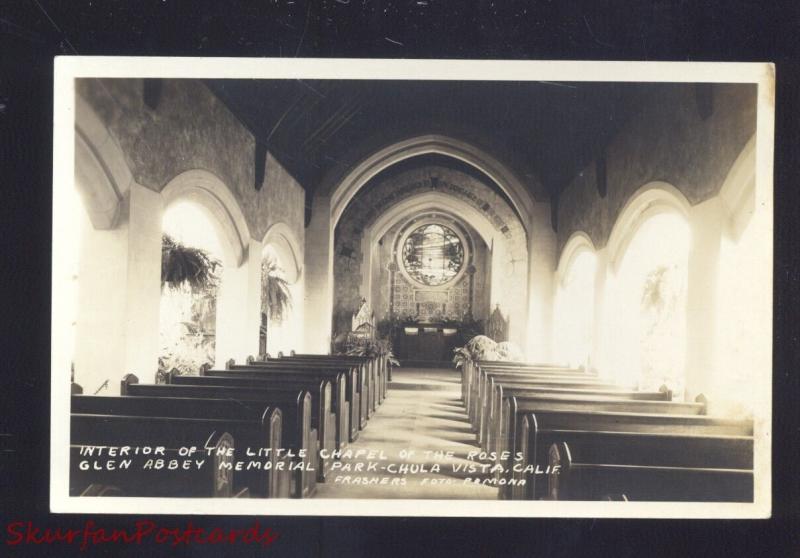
column 426, row 341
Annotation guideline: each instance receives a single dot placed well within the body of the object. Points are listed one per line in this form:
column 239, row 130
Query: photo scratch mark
column 55, row 25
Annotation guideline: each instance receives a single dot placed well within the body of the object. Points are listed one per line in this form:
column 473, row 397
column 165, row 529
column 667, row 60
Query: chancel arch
column 349, row 186
column 391, row 201
column 530, row 214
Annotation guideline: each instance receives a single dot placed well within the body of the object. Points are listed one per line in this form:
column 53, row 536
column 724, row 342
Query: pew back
column 296, row 405
column 343, row 383
column 590, row 481
column 251, row 424
column 209, row 480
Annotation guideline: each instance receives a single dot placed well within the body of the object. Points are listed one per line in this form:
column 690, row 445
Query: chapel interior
column 616, row 229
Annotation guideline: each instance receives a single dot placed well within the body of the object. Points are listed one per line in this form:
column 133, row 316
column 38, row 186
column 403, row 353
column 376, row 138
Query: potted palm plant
column 276, row 296
column 193, row 271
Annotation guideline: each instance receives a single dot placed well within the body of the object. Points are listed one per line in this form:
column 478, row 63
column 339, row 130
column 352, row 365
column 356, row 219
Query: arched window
column 282, row 291
column 191, row 268
column 276, row 303
column 574, row 310
column 647, row 314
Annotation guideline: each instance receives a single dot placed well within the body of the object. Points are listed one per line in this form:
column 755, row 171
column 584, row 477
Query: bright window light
column 647, row 307
column 575, row 311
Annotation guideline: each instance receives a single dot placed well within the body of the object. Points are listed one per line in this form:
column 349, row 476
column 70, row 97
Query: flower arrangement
column 482, row 347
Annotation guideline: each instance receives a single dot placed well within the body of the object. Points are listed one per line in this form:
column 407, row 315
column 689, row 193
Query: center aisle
column 422, row 412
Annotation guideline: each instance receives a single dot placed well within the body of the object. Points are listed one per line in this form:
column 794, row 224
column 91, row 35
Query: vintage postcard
column 407, row 287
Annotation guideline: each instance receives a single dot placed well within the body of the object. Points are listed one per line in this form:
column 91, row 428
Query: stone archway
column 101, row 175
column 534, row 216
column 237, row 316
column 209, row 192
column 349, row 186
column 450, row 192
column 651, row 199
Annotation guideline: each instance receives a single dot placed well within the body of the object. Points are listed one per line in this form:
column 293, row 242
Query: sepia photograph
column 395, row 287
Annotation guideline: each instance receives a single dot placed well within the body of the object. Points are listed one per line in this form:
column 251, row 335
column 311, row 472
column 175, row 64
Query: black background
column 33, row 32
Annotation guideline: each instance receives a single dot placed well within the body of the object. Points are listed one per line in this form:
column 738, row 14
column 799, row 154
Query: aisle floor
column 422, row 412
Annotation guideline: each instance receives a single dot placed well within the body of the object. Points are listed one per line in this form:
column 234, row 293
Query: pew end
column 126, row 381
column 703, row 400
column 559, row 461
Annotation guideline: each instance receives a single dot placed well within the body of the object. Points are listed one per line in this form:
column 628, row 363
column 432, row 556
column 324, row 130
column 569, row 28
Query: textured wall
column 191, row 129
column 282, row 200
column 669, row 141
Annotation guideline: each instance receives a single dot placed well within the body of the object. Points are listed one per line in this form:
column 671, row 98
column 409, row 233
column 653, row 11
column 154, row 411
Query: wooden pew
column 376, row 362
column 482, row 382
column 296, row 405
column 539, row 430
column 379, row 365
column 479, row 381
column 367, row 372
column 488, row 412
column 355, row 385
column 469, row 373
column 513, row 408
column 489, row 380
column 253, row 426
column 590, row 473
column 343, row 380
column 336, row 424
column 208, row 481
column 323, row 416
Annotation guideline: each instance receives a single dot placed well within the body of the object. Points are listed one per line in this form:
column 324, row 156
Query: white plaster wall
column 705, row 222
column 102, row 283
column 542, row 265
column 318, row 299
column 238, row 307
column 144, row 281
column 119, row 291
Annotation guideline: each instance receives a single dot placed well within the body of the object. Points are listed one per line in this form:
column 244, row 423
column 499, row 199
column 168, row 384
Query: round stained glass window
column 433, row 254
